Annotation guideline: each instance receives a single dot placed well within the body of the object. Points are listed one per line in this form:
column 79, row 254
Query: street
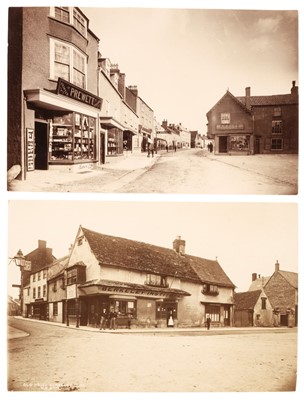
column 195, row 172
column 60, row 358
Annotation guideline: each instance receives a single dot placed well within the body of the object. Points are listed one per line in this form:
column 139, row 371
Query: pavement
column 14, row 333
column 127, row 164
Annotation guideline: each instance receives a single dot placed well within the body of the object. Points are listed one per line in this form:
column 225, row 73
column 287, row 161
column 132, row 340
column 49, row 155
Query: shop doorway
column 41, row 146
column 102, row 148
column 223, row 144
column 227, row 316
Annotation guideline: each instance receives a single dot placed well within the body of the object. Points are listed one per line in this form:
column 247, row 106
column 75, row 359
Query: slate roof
column 273, row 100
column 143, row 257
column 246, row 300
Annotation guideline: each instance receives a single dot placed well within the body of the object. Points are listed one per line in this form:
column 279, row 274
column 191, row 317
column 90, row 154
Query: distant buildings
column 255, row 124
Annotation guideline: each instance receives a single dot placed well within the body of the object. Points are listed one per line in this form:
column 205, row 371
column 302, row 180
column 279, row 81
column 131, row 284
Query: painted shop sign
column 229, row 126
column 74, row 92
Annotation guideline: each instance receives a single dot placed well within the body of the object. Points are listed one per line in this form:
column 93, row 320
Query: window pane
column 62, row 14
column 78, row 79
column 79, row 22
column 62, row 53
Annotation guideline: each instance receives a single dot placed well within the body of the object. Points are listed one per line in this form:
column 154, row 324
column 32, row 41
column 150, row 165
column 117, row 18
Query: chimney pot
column 254, row 277
column 247, row 91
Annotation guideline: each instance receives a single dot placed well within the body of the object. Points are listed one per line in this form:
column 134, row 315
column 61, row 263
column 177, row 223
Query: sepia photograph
column 153, row 100
column 152, row 199
column 152, row 296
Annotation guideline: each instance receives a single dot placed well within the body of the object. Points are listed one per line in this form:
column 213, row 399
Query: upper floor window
column 67, row 63
column 39, row 292
column 71, row 276
column 210, row 289
column 277, row 111
column 39, row 275
column 34, row 293
column 277, row 127
column 62, row 14
column 70, row 15
column 156, row 280
column 44, row 274
column 263, row 303
column 44, row 291
column 34, row 277
column 225, row 118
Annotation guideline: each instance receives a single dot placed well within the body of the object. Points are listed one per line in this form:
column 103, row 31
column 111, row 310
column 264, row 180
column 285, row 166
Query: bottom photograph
column 152, row 296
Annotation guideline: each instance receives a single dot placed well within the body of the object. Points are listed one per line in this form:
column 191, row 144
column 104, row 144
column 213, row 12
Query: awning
column 51, row 101
column 115, row 288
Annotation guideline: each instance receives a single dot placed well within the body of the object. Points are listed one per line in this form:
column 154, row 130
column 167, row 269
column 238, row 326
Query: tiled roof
column 274, row 100
column 291, row 277
column 246, row 300
column 235, row 99
column 133, row 286
column 131, row 254
column 57, row 267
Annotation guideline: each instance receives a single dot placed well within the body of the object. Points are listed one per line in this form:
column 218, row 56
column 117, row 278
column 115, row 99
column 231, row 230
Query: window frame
column 273, row 146
column 79, row 26
column 225, row 118
column 72, row 63
column 213, row 311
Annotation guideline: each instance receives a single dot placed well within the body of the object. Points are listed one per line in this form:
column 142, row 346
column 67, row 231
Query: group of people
column 108, row 319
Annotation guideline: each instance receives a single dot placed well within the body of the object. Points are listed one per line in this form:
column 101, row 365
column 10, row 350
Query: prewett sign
column 74, row 92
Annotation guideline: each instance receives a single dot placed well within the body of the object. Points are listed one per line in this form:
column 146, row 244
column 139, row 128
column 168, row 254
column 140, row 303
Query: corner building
column 53, row 106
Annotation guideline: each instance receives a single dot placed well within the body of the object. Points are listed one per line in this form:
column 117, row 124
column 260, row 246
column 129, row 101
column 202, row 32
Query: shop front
column 38, row 309
column 138, row 306
column 62, row 128
column 234, row 144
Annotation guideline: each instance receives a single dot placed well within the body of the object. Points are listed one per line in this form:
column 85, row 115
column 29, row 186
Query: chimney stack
column 277, row 266
column 179, row 245
column 41, row 244
column 294, row 90
column 165, row 124
column 247, row 96
column 254, row 277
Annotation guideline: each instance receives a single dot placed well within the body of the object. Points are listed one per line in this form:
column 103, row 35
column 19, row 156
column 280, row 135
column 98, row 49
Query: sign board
column 27, row 266
column 30, row 149
column 76, row 93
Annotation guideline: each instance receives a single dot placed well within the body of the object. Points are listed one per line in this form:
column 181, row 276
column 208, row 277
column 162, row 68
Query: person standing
column 103, row 320
column 113, row 316
column 208, row 323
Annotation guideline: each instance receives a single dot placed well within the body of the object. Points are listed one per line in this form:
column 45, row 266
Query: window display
column 239, row 142
column 72, row 138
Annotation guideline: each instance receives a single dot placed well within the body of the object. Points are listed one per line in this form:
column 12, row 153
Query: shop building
column 118, row 117
column 255, row 124
column 153, row 285
column 53, row 106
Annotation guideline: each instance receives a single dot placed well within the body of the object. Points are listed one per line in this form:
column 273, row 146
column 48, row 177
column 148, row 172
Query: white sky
column 184, row 60
column 246, row 237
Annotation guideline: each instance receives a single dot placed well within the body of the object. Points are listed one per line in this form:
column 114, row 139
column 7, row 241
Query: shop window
column 71, row 307
column 225, row 118
column 239, row 142
column 213, row 312
column 73, row 137
column 67, row 63
column 276, row 127
column 55, row 309
column 276, row 144
column 123, row 307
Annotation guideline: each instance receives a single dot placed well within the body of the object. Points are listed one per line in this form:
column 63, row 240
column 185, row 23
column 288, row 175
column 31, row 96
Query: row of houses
column 68, row 105
column 144, row 282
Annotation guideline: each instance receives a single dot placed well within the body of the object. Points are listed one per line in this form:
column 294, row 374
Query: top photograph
column 152, row 100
